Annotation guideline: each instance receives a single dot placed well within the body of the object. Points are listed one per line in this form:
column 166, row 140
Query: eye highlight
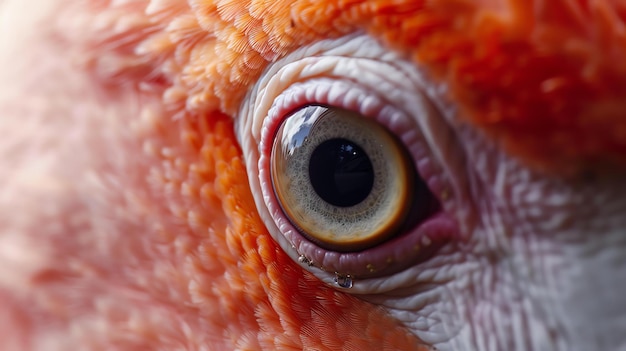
column 343, row 180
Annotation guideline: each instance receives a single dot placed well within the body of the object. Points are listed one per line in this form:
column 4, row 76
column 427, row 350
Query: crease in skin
column 157, row 243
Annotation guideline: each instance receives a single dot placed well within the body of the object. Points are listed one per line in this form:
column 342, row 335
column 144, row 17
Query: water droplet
column 304, row 260
column 343, row 280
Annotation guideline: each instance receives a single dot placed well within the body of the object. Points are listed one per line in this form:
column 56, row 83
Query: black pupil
column 341, row 172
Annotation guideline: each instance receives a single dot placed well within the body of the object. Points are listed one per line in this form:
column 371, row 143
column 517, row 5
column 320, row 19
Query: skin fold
column 134, row 207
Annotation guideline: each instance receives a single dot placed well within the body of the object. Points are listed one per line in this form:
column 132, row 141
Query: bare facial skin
column 138, row 207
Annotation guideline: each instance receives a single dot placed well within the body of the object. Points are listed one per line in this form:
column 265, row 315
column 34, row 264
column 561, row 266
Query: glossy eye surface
column 343, row 180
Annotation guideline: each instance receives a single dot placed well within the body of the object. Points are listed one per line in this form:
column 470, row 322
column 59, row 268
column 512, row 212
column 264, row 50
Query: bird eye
column 344, row 181
column 350, row 189
column 348, row 167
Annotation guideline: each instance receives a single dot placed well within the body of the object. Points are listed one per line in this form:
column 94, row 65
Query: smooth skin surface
column 136, row 211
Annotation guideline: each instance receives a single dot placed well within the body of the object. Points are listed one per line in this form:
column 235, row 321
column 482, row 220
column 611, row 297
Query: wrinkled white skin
column 542, row 262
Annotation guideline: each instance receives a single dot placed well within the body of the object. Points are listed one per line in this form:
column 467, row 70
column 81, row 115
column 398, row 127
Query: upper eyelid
column 353, row 47
column 293, row 72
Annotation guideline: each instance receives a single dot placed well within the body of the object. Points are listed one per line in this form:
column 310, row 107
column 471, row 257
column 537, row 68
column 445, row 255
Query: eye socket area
column 419, row 231
column 343, row 180
column 397, row 104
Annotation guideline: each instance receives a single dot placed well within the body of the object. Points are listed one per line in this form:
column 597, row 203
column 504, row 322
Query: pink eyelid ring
column 425, row 229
